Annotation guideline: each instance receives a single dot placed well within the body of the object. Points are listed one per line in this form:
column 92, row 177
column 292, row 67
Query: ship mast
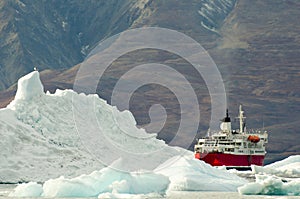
column 241, row 118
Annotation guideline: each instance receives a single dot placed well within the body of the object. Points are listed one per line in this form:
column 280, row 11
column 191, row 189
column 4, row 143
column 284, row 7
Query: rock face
column 255, row 45
column 56, row 34
column 59, row 34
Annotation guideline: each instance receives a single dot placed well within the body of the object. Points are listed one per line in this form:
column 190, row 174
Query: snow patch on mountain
column 213, row 13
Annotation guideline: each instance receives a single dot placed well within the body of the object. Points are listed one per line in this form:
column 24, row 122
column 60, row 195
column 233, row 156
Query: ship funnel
column 226, row 124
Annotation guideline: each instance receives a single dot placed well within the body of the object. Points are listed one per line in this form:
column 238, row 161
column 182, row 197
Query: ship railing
column 256, row 131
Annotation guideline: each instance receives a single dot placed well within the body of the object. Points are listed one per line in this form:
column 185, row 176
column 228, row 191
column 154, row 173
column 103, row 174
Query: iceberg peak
column 29, row 86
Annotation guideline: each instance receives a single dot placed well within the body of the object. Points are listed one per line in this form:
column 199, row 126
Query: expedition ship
column 233, row 148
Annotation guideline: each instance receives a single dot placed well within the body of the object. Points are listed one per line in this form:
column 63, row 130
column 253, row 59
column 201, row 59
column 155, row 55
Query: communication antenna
column 208, row 132
column 263, row 121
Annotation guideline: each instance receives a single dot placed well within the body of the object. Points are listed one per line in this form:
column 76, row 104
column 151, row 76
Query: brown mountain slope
column 259, row 50
column 56, row 34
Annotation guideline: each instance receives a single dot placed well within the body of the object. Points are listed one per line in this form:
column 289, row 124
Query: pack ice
column 47, row 136
column 179, row 173
column 279, row 178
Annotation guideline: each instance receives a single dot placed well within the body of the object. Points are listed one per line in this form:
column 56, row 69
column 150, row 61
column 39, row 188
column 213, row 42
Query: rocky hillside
column 255, row 44
column 56, row 34
column 259, row 48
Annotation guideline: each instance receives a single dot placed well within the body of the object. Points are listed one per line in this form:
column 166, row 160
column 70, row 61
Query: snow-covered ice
column 289, row 167
column 31, row 189
column 279, row 178
column 176, row 174
column 42, row 143
column 107, row 180
column 29, row 86
column 189, row 174
column 40, row 138
column 271, row 185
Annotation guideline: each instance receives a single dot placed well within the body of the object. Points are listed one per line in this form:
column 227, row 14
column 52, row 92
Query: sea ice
column 176, row 174
column 31, row 189
column 29, row 86
column 107, row 180
column 40, row 135
column 271, row 185
column 41, row 142
column 279, row 178
column 189, row 174
column 289, row 167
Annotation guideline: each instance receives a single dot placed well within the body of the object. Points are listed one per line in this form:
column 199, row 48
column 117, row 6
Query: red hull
column 222, row 159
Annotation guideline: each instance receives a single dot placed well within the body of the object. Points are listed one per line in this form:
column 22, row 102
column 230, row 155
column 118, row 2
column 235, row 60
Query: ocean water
column 6, row 189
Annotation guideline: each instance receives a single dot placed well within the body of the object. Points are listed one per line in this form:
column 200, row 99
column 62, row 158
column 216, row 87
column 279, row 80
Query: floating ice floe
column 176, row 174
column 31, row 189
column 289, row 167
column 271, row 185
column 107, row 180
column 189, row 174
column 279, row 178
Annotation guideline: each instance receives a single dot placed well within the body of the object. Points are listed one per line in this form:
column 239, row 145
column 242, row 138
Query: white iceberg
column 271, row 185
column 40, row 135
column 29, row 86
column 107, row 180
column 289, row 167
column 31, row 189
column 41, row 142
column 279, row 178
column 189, row 174
column 176, row 174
